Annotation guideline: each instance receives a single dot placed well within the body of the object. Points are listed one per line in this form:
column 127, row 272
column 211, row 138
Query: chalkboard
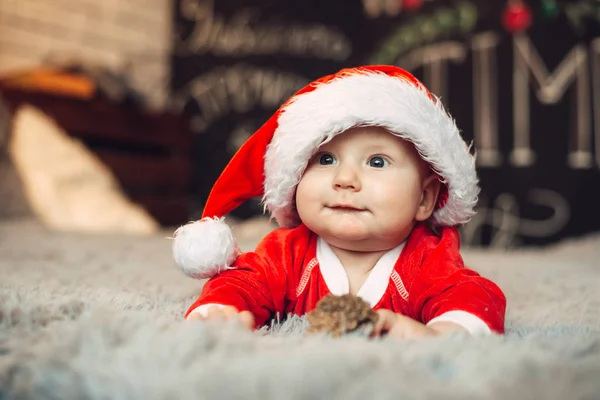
column 529, row 99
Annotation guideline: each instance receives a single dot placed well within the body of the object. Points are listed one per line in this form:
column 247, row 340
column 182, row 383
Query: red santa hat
column 271, row 163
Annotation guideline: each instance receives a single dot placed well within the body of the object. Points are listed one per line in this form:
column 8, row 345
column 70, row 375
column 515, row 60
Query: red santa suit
column 423, row 278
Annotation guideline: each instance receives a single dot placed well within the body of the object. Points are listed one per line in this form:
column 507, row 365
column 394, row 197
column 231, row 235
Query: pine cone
column 339, row 315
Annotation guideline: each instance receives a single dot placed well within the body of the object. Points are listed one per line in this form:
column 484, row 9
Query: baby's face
column 363, row 190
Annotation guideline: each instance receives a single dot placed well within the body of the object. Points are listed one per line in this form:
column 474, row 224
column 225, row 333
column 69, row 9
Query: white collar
column 336, row 278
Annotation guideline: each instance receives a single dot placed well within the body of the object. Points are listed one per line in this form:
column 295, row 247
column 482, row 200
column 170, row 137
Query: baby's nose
column 347, row 177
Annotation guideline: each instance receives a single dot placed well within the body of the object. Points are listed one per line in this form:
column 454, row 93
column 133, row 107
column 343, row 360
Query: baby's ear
column 429, row 196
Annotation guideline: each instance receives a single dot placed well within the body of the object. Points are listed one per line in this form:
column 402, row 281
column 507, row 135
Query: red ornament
column 517, row 17
column 411, row 5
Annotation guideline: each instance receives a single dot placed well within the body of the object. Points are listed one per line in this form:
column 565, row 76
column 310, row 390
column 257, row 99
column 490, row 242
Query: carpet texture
column 100, row 317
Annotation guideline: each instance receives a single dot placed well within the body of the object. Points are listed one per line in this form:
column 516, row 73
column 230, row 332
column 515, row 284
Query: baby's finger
column 384, row 322
column 215, row 312
column 378, row 327
column 398, row 331
column 229, row 312
column 247, row 319
column 195, row 316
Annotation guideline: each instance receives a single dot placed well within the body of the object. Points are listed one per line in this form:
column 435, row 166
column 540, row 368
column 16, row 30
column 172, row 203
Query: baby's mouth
column 345, row 207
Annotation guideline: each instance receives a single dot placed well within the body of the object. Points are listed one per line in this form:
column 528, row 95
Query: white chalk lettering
column 502, row 215
column 245, row 35
column 550, row 90
column 485, row 94
column 529, row 72
column 235, row 89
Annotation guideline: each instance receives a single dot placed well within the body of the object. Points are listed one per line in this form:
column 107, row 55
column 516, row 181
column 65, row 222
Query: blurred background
column 121, row 114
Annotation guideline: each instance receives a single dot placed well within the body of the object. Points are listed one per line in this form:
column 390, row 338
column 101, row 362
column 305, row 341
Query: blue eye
column 378, row 162
column 326, row 159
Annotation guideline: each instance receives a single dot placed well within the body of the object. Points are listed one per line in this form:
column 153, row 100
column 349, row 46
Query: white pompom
column 204, row 248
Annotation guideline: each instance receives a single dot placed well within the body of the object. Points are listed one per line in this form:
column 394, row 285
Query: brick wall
column 131, row 36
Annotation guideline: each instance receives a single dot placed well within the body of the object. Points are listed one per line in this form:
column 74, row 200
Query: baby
column 368, row 177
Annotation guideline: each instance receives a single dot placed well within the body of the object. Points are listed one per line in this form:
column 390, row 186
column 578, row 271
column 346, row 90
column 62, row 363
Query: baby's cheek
column 390, row 198
column 305, row 199
column 396, row 209
column 309, row 188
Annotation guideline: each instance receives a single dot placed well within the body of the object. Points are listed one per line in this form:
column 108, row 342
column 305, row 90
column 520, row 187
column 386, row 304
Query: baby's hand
column 225, row 313
column 400, row 326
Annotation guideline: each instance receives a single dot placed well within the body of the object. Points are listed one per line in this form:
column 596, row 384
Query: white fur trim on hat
column 204, row 248
column 375, row 99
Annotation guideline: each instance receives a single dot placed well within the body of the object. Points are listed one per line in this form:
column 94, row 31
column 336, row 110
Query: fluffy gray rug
column 100, row 317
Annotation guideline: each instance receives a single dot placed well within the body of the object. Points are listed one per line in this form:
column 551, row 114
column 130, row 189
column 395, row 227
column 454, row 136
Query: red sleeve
column 439, row 282
column 257, row 281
